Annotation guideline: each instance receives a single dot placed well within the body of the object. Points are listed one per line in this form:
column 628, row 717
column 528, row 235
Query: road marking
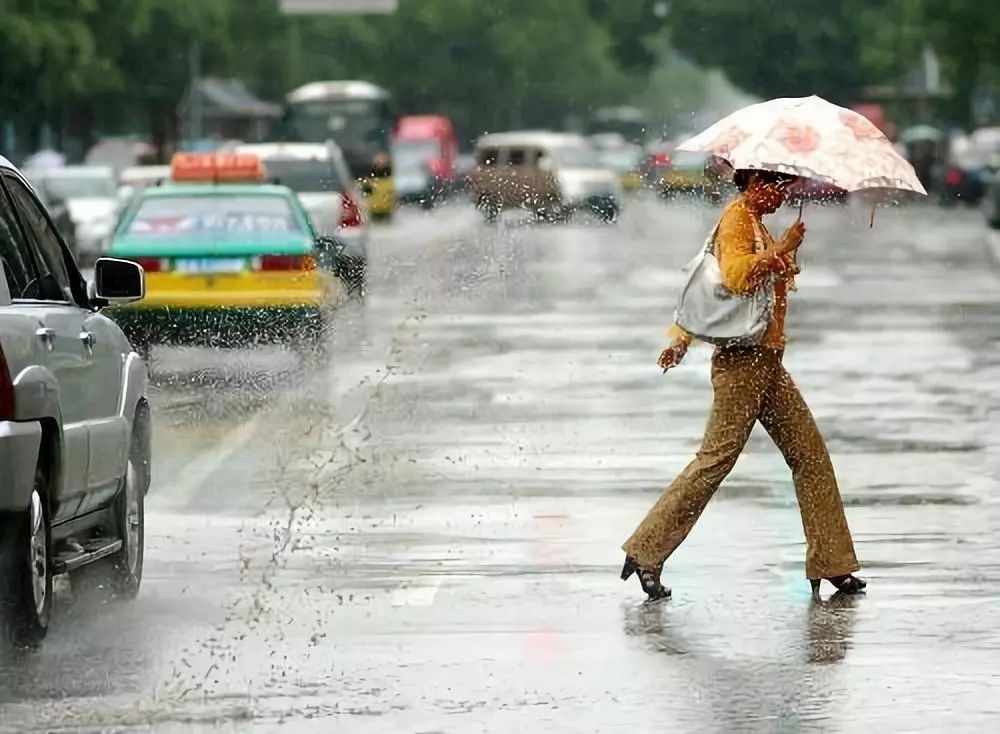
column 191, row 479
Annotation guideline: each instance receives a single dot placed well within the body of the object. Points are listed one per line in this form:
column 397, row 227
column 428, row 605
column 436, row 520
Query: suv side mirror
column 118, row 281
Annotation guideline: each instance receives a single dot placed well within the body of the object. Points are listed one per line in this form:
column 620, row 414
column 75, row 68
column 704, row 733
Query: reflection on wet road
column 422, row 535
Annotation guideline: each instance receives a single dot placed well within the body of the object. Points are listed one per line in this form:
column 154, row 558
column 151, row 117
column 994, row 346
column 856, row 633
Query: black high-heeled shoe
column 847, row 584
column 649, row 579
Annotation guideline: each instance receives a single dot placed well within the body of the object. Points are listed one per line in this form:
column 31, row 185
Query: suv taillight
column 6, row 390
column 350, row 214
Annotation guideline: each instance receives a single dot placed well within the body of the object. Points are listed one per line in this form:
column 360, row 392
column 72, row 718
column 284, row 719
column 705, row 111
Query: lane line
column 181, row 491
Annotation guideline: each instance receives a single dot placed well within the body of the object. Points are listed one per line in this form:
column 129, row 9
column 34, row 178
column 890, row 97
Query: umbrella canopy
column 921, row 133
column 812, row 138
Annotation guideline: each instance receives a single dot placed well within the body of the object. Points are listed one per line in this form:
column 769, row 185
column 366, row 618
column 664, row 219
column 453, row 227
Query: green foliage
column 125, row 64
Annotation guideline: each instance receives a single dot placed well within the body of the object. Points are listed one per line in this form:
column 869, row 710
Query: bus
column 358, row 116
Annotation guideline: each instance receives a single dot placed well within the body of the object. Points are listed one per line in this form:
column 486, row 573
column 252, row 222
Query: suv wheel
column 490, row 206
column 26, row 572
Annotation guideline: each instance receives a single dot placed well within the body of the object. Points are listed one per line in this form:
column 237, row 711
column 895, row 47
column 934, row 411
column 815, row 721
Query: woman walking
column 750, row 384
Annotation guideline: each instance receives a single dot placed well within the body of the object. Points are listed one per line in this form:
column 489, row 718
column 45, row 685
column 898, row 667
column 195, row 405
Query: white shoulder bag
column 711, row 312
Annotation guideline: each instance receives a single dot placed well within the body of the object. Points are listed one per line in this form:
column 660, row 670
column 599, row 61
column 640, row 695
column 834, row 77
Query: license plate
column 211, row 265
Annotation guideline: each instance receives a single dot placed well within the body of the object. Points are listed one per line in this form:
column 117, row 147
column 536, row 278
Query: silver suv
column 74, row 420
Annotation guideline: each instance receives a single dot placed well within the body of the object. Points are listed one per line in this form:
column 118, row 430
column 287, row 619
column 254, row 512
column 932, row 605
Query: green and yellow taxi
column 228, row 259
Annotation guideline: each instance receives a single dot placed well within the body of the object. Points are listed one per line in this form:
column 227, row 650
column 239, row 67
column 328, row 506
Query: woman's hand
column 782, row 253
column 672, row 355
column 792, row 239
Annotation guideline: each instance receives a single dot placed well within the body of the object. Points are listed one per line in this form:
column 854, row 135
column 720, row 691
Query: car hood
column 87, row 209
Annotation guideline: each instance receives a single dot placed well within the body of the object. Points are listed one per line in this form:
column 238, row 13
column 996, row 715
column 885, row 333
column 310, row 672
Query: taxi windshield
column 213, row 215
column 303, row 175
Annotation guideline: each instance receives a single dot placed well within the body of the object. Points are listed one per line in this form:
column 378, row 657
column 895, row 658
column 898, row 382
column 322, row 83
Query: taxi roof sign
column 217, row 168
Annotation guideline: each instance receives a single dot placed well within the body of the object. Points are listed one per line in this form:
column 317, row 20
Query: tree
column 966, row 33
column 634, row 28
column 775, row 49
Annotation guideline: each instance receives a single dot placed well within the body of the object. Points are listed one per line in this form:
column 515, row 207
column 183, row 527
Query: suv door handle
column 87, row 338
column 47, row 335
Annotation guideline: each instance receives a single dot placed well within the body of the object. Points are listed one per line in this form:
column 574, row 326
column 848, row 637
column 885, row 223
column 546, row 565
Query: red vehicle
column 424, row 152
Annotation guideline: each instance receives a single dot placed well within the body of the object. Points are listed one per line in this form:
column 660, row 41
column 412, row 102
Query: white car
column 550, row 173
column 74, row 420
column 319, row 176
column 136, row 178
column 91, row 196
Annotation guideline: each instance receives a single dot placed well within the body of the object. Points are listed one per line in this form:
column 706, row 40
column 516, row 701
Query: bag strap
column 710, row 242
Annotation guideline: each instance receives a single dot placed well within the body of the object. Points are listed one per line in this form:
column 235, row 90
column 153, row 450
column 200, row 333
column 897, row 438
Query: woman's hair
column 743, row 176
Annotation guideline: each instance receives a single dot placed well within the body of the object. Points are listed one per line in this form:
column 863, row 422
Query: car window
column 213, row 216
column 517, row 157
column 43, row 236
column 487, row 156
column 18, row 265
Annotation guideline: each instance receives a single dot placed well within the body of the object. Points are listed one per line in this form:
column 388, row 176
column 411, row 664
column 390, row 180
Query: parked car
column 318, row 174
column 74, row 420
column 551, row 174
column 91, row 195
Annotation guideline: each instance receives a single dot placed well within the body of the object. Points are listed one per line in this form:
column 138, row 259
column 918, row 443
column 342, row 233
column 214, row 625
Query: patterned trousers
column 752, row 385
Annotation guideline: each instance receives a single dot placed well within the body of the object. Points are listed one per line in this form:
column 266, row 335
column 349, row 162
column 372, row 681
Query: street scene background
column 422, row 533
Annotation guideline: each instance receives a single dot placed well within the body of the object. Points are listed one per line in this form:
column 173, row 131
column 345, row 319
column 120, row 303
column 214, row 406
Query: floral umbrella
column 810, row 137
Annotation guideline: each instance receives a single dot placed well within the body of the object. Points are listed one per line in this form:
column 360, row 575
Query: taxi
column 228, row 258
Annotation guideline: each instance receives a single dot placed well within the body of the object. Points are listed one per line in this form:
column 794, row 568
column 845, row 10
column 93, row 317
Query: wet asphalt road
column 423, row 536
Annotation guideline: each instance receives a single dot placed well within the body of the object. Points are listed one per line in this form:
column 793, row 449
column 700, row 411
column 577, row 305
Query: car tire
column 26, row 571
column 353, row 272
column 119, row 576
column 490, row 206
column 605, row 208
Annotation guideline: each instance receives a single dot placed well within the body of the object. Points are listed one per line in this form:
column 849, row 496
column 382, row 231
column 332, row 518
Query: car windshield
column 78, row 186
column 413, row 155
column 305, row 176
column 212, row 216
